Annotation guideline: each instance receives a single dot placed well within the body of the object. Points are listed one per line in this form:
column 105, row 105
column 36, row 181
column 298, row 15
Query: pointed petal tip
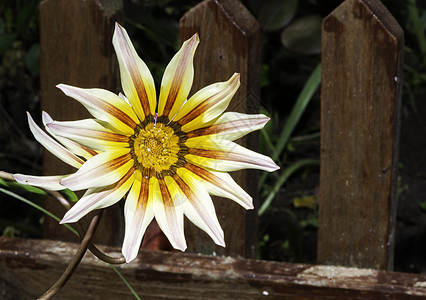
column 181, row 248
column 277, row 167
column 128, row 257
column 46, row 118
column 65, row 219
column 19, row 179
column 196, row 37
column 69, row 218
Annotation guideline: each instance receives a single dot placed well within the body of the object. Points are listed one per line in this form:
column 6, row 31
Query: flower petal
column 53, row 146
column 231, row 126
column 220, row 184
column 105, row 106
column 138, row 213
column 74, row 147
column 207, row 104
column 89, row 133
column 136, row 79
column 199, row 206
column 101, row 170
column 168, row 210
column 51, row 183
column 177, row 79
column 98, row 198
column 223, row 155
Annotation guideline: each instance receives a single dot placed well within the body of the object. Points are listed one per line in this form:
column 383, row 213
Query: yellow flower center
column 157, row 148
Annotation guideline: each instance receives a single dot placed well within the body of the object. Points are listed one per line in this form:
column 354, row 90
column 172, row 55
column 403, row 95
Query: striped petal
column 89, row 133
column 221, row 184
column 138, row 214
column 199, row 206
column 231, row 126
column 101, row 170
column 223, row 155
column 105, row 106
column 207, row 104
column 136, row 79
column 53, row 146
column 51, row 183
column 168, row 210
column 177, row 79
column 74, row 147
column 99, row 198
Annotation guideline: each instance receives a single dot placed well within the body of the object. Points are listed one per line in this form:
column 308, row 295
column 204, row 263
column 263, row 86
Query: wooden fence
column 361, row 86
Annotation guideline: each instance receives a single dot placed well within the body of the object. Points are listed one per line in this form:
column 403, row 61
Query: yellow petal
column 207, row 104
column 177, row 79
column 99, row 198
column 103, row 169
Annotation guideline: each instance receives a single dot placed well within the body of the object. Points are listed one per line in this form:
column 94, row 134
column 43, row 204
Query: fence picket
column 361, row 86
column 76, row 49
column 230, row 42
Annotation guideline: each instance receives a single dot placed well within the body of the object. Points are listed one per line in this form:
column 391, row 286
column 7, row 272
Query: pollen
column 157, row 148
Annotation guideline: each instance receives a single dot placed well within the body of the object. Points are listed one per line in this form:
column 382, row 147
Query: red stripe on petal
column 175, row 86
column 210, row 102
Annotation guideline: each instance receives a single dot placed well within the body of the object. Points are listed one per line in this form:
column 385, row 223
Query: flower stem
column 76, row 259
column 98, row 253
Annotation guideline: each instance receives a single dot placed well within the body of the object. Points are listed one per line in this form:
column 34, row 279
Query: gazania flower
column 165, row 157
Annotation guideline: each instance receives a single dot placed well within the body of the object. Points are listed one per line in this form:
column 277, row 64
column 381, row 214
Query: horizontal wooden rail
column 28, row 267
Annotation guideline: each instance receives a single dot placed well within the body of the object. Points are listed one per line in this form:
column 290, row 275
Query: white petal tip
column 47, row 119
column 221, row 243
column 129, row 259
column 19, row 179
column 180, row 247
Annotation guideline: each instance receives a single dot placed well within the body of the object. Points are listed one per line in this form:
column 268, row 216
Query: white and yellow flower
column 165, row 157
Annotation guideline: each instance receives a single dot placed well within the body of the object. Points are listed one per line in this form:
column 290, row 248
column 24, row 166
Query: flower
column 165, row 157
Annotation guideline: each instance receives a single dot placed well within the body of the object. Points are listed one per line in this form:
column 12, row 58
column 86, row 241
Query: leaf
column 275, row 14
column 69, row 195
column 28, row 188
column 303, row 35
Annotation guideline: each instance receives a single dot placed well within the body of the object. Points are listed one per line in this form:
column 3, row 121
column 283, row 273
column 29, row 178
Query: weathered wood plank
column 76, row 49
column 361, row 85
column 29, row 267
column 230, row 42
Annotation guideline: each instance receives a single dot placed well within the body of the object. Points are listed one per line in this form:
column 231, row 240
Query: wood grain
column 29, row 267
column 230, row 42
column 76, row 49
column 361, row 88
